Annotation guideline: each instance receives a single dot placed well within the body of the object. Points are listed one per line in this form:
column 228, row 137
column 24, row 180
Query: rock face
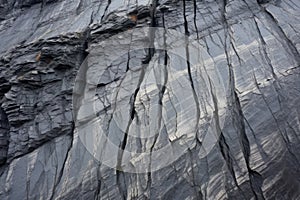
column 226, row 102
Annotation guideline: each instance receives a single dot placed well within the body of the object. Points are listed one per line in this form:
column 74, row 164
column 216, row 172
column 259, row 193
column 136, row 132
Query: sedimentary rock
column 220, row 88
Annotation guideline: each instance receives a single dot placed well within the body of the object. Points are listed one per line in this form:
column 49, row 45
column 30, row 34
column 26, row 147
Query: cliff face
column 220, row 89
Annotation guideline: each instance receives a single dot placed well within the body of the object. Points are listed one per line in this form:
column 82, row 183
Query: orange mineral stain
column 38, row 56
column 133, row 18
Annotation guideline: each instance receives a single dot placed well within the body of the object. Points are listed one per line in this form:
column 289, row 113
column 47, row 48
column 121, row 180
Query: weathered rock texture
column 254, row 46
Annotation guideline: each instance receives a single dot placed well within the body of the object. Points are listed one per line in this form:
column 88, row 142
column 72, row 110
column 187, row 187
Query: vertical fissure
column 4, row 136
column 4, row 123
column 188, row 64
column 238, row 118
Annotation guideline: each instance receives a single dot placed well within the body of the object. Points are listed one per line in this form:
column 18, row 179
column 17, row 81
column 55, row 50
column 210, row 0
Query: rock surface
column 245, row 90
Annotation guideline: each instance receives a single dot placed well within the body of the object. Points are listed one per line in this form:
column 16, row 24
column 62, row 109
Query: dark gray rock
column 243, row 95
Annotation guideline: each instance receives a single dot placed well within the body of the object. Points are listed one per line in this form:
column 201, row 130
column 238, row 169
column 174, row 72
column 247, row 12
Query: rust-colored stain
column 133, row 18
column 38, row 56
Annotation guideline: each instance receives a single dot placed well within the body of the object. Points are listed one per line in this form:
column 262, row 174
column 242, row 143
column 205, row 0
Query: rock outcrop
column 225, row 101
